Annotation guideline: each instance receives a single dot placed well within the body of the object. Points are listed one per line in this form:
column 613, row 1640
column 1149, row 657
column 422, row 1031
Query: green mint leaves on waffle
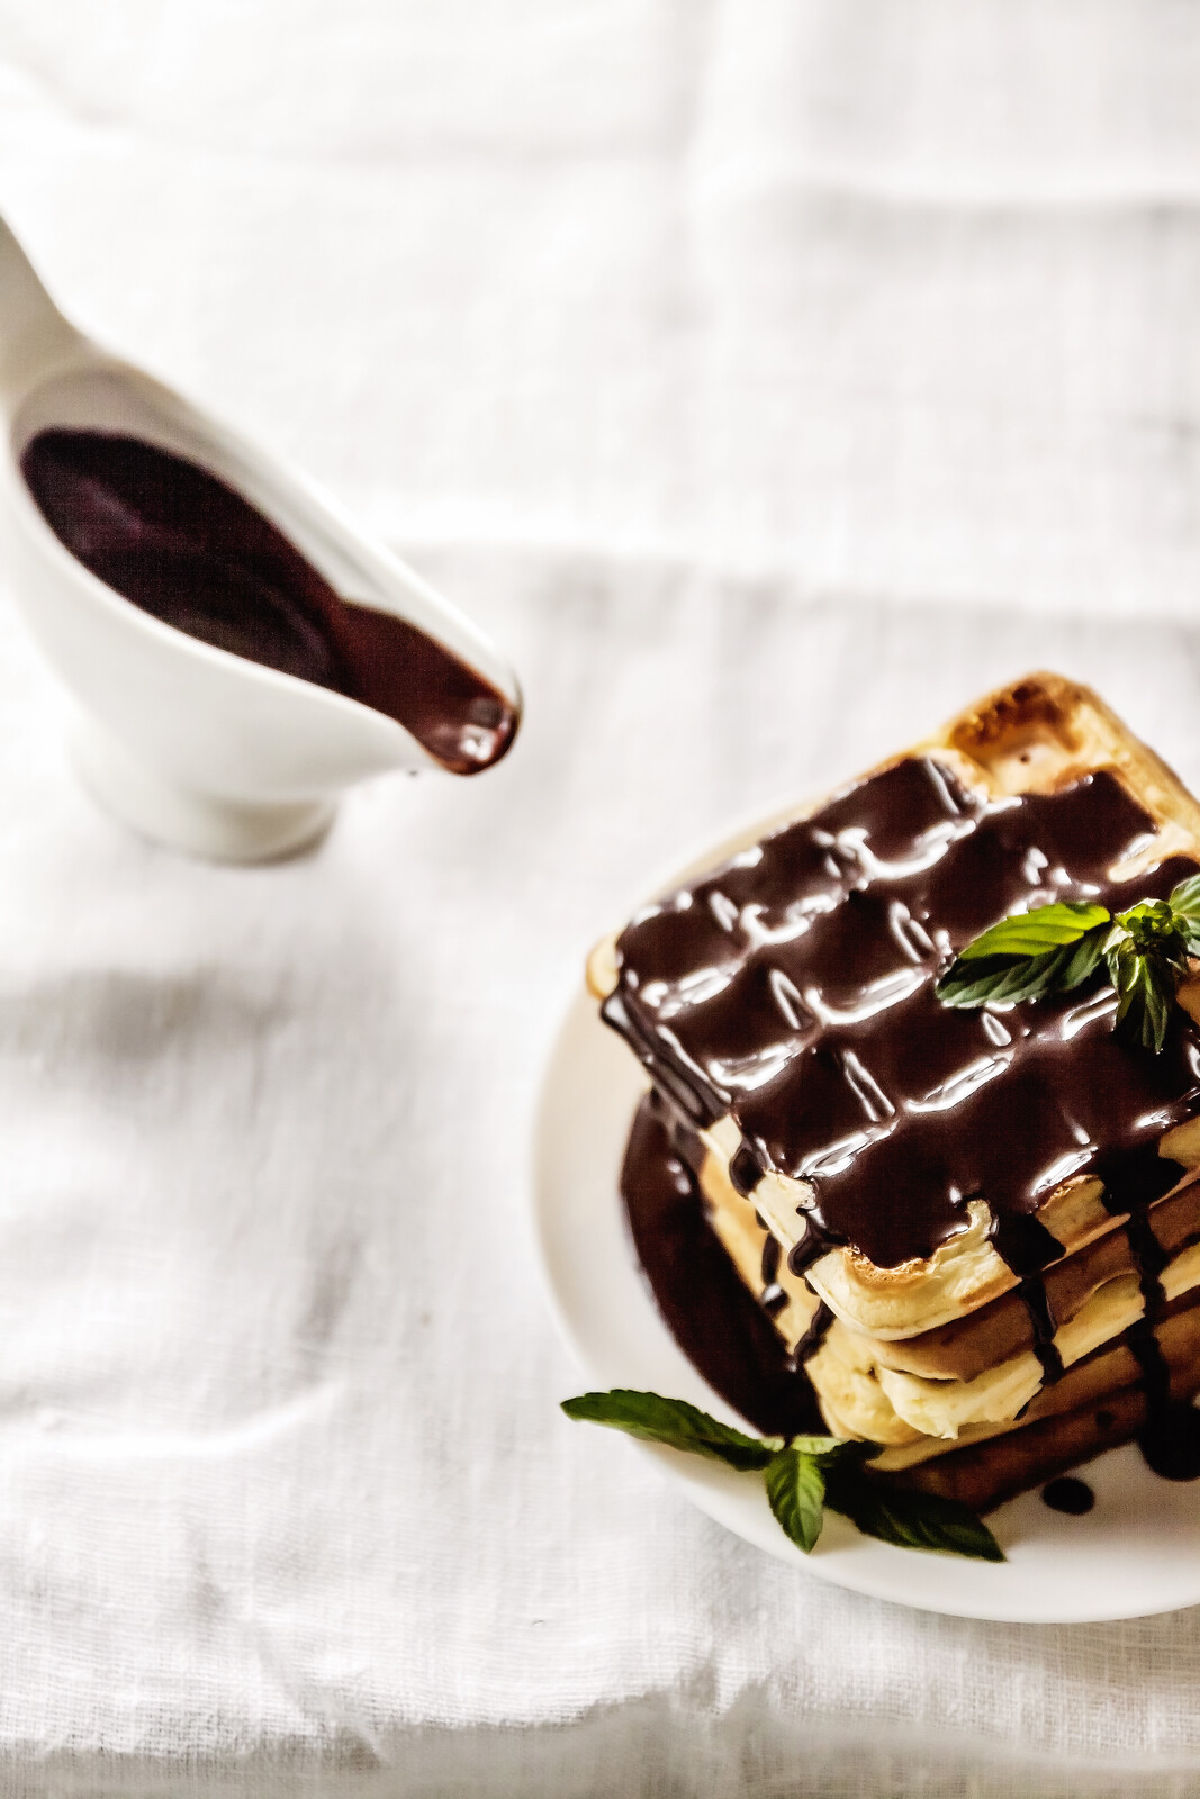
column 1053, row 948
column 804, row 1477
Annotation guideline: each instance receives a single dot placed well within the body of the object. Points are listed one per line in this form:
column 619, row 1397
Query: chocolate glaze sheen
column 179, row 544
column 794, row 990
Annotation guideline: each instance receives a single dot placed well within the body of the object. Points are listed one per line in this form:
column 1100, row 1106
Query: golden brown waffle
column 955, row 1351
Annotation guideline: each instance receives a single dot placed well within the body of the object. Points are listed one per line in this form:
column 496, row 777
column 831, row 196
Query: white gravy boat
column 201, row 749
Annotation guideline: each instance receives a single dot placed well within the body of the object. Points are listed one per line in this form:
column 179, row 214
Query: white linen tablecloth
column 769, row 378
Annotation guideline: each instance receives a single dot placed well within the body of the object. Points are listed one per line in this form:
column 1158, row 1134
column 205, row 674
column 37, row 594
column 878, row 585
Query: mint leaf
column 796, row 1491
column 675, row 1423
column 1145, row 987
column 1033, row 933
column 1153, row 927
column 1049, row 950
column 1185, row 904
column 1006, row 980
column 1053, row 948
column 802, row 1477
column 1147, row 957
column 830, row 1449
column 909, row 1518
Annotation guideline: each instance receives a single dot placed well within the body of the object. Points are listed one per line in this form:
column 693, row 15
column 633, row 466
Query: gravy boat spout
column 239, row 653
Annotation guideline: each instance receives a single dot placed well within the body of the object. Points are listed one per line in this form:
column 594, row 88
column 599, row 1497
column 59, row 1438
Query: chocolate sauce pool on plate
column 793, row 990
column 1067, row 1494
column 180, row 544
column 713, row 1317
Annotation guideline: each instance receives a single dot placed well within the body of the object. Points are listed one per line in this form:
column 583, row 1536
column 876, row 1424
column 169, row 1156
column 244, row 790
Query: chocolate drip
column 1170, row 1437
column 804, row 1253
column 1156, row 1376
column 772, row 1298
column 1134, row 1191
column 1170, row 1442
column 1156, row 1439
column 770, row 1259
column 745, row 1171
column 814, row 1336
column 1033, row 1293
column 183, row 546
column 1022, row 1241
column 692, row 1096
column 1149, row 1260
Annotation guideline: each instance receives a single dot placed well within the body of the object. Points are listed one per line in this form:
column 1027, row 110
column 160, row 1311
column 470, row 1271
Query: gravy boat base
column 202, row 825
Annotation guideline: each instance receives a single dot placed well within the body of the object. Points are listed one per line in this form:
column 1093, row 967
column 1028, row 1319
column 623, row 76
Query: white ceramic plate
column 1137, row 1552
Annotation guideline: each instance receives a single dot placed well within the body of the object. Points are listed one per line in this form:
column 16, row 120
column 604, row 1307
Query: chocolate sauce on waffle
column 1170, row 1436
column 770, row 1260
column 1041, row 1320
column 716, row 1320
column 720, row 1327
column 1170, row 1441
column 794, row 990
column 1023, row 1242
column 772, row 1298
column 813, row 1337
column 184, row 547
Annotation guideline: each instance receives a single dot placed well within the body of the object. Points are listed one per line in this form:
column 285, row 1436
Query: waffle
column 1042, row 737
column 1102, row 1404
column 974, row 1376
column 958, row 1211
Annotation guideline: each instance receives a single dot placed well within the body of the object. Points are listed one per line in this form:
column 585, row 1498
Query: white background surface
column 768, row 377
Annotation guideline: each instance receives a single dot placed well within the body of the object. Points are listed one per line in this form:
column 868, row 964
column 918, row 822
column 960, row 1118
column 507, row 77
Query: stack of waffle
column 976, row 1232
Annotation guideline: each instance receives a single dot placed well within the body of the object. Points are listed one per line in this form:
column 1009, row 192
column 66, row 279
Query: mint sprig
column 795, row 1484
column 675, row 1423
column 1054, row 948
column 804, row 1477
column 911, row 1519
